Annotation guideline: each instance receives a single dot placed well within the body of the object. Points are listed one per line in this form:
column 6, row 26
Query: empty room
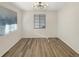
column 39, row 29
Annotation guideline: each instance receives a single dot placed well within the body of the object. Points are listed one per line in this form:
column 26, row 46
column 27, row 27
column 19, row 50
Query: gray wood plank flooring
column 40, row 47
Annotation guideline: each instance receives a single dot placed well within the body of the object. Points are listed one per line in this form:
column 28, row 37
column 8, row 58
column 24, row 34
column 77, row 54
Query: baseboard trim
column 67, row 44
column 41, row 38
column 9, row 49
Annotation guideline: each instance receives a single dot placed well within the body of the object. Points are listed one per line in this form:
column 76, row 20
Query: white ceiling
column 27, row 6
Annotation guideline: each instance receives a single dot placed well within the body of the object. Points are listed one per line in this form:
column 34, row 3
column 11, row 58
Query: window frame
column 39, row 27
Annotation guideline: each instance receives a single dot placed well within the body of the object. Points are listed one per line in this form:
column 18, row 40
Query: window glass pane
column 42, row 21
column 8, row 21
column 13, row 27
column 42, row 24
column 7, row 29
column 36, row 17
column 39, row 21
column 2, row 30
column 36, row 21
column 36, row 26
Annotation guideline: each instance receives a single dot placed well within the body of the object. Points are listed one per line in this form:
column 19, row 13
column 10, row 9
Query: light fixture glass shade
column 40, row 5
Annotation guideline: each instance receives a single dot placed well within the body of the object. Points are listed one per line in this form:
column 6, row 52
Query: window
column 7, row 26
column 39, row 21
column 8, row 21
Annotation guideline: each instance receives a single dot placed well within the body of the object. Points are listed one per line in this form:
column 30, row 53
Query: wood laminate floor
column 40, row 47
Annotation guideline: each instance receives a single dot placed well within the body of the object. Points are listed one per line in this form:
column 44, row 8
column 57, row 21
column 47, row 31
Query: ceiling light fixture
column 40, row 5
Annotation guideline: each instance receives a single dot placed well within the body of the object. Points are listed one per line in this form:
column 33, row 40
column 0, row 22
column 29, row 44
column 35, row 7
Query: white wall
column 7, row 41
column 68, row 25
column 28, row 25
